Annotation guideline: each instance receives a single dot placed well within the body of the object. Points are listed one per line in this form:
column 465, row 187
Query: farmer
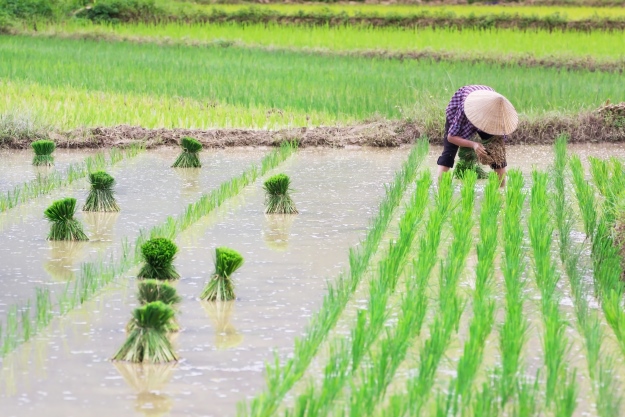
column 476, row 109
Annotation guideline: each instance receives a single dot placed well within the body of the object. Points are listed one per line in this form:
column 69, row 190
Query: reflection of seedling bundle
column 145, row 379
column 277, row 198
column 158, row 254
column 63, row 256
column 220, row 287
column 220, row 312
column 43, row 152
column 277, row 231
column 64, row 226
column 147, row 341
column 101, row 195
column 189, row 156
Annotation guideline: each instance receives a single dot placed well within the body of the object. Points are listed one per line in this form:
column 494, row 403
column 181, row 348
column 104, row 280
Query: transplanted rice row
column 96, row 275
column 282, row 376
column 347, row 353
column 44, row 184
column 450, row 307
column 600, row 363
column 560, row 385
column 371, row 382
column 460, row 389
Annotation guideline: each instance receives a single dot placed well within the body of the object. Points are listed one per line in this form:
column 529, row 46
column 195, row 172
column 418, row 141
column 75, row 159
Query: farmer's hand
column 479, row 149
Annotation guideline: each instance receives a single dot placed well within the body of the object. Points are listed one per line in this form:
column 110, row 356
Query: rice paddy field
column 158, row 258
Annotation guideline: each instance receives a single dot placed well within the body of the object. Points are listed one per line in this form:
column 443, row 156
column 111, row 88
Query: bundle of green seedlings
column 220, row 287
column 158, row 254
column 561, row 387
column 449, row 309
column 97, row 274
column 348, row 353
column 151, row 290
column 282, row 375
column 64, row 226
column 189, row 157
column 277, row 198
column 460, row 388
column 43, row 152
column 101, row 196
column 467, row 161
column 605, row 386
column 372, row 382
column 147, row 340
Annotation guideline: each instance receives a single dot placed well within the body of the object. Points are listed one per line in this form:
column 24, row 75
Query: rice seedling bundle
column 101, row 196
column 496, row 150
column 158, row 254
column 468, row 161
column 277, row 198
column 43, row 152
column 189, row 157
column 147, row 342
column 220, row 287
column 64, row 226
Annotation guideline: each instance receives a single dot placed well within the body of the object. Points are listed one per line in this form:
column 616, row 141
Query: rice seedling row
column 599, row 361
column 560, row 381
column 169, row 72
column 44, row 184
column 96, row 275
column 460, row 392
column 450, row 307
column 369, row 383
column 348, row 353
column 282, row 376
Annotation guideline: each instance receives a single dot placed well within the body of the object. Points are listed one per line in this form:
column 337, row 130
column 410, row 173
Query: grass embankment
column 571, row 50
column 69, row 82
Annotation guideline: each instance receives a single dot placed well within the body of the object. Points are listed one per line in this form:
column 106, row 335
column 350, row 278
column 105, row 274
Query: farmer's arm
column 464, row 143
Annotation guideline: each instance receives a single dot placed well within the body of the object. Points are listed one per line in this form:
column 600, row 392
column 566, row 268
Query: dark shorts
column 450, row 150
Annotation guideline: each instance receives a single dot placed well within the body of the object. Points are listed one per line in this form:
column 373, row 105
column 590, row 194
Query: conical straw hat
column 491, row 112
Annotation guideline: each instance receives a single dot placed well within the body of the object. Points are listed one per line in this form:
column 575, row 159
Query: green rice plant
column 101, row 196
column 467, row 161
column 43, row 152
column 281, row 376
column 151, row 290
column 277, row 198
column 559, row 384
column 189, row 157
column 43, row 309
column 158, row 255
column 449, row 311
column 27, row 329
column 220, row 286
column 64, row 226
column 147, row 342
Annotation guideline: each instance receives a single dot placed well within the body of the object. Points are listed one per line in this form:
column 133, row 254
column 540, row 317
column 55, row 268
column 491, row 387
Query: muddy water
column 288, row 260
column 147, row 191
column 16, row 166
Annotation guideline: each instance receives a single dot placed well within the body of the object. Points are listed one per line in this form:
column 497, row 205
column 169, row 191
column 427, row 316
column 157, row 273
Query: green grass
column 600, row 45
column 344, row 88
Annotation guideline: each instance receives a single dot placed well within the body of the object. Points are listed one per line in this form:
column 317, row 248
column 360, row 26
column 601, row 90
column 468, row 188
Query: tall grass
column 450, row 308
column 44, row 184
column 605, row 386
column 347, row 353
column 95, row 275
column 358, row 88
column 561, row 386
column 281, row 376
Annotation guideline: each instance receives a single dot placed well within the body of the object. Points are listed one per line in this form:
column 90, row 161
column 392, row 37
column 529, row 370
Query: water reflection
column 220, row 313
column 64, row 254
column 277, row 229
column 148, row 381
column 190, row 181
column 100, row 227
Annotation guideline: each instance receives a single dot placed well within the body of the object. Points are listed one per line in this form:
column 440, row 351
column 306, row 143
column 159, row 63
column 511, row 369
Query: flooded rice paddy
column 66, row 370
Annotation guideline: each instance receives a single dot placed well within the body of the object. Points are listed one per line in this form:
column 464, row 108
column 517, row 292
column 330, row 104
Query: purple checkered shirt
column 459, row 125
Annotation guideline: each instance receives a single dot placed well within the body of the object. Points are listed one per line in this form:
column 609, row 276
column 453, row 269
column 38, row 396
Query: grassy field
column 600, row 46
column 248, row 82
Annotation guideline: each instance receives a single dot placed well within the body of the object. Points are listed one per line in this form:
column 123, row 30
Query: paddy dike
column 585, row 128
